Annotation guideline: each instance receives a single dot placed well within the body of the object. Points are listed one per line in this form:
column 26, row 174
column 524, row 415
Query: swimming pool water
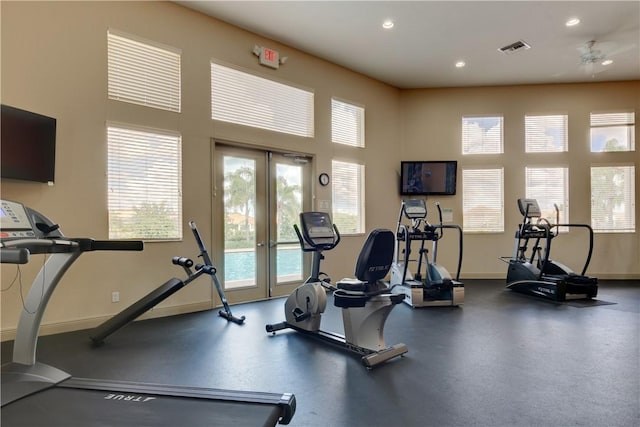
column 241, row 265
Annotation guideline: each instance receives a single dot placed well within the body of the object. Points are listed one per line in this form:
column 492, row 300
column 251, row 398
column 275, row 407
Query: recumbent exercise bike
column 365, row 301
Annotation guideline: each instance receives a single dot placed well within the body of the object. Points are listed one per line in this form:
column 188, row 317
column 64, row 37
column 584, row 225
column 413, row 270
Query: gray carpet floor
column 503, row 359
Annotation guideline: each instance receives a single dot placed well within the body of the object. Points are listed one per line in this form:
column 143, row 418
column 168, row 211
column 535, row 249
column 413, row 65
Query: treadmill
column 36, row 394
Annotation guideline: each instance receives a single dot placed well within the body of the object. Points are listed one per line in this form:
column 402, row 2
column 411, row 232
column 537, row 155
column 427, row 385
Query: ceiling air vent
column 514, row 47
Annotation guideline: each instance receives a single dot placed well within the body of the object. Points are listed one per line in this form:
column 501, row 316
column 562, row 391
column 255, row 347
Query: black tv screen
column 28, row 145
column 423, row 178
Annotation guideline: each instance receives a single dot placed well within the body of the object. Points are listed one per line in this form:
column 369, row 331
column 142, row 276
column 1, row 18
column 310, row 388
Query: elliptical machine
column 434, row 287
column 167, row 289
column 366, row 301
column 537, row 274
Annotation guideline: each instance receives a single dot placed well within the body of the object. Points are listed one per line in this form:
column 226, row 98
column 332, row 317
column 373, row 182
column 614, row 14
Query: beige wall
column 54, row 63
column 432, row 127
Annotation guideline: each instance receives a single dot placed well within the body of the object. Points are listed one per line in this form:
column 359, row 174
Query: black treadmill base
column 81, row 402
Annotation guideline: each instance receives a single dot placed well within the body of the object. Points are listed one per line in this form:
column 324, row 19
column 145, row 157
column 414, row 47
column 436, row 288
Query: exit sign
column 270, row 58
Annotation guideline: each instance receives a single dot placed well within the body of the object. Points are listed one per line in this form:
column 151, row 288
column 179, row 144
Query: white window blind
column 613, row 199
column 143, row 73
column 546, row 134
column 613, row 131
column 482, row 135
column 145, row 184
column 249, row 100
column 549, row 186
column 483, row 200
column 348, row 196
column 347, row 123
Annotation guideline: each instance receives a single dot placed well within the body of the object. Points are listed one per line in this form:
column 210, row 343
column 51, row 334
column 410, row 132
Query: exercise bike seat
column 372, row 266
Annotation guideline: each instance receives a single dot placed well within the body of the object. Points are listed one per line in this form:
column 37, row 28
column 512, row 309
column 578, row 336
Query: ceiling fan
column 592, row 59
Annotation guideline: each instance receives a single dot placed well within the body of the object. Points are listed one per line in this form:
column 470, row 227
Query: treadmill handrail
column 64, row 252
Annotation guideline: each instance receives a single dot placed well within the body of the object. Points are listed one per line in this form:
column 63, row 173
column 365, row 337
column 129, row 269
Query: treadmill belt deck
column 72, row 405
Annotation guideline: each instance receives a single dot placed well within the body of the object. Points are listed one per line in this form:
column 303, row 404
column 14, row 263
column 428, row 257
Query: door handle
column 272, row 244
column 260, row 244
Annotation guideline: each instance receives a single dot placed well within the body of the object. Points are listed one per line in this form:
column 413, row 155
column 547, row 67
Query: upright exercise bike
column 366, row 301
column 536, row 273
column 435, row 286
column 167, row 289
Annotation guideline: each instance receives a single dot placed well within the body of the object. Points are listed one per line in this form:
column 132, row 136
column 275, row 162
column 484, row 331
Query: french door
column 258, row 196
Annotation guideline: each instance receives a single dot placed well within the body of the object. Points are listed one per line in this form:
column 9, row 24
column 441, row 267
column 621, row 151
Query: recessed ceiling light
column 607, row 62
column 387, row 24
column 460, row 64
column 572, row 22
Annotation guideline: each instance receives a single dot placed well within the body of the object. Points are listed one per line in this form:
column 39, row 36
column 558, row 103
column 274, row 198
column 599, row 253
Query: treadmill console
column 14, row 221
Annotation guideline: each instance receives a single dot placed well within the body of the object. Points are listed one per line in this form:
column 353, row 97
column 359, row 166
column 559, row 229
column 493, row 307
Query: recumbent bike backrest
column 376, row 256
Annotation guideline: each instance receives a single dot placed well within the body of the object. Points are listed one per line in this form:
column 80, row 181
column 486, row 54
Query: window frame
column 533, row 143
column 352, row 135
column 544, row 201
column 143, row 72
column 469, row 229
column 245, row 101
column 629, row 195
column 358, row 200
column 465, row 135
column 624, row 123
column 142, row 189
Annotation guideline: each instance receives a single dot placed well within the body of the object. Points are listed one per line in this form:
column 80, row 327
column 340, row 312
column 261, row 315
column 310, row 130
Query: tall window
column 145, row 187
column 249, row 100
column 482, row 135
column 546, row 134
column 483, row 200
column 613, row 199
column 347, row 123
column 613, row 131
column 348, row 197
column 143, row 73
column 549, row 186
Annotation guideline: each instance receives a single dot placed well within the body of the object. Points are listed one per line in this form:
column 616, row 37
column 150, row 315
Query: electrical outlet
column 115, row 296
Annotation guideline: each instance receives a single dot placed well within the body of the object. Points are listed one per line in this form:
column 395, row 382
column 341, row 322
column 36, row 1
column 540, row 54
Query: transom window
column 613, row 131
column 347, row 123
column 546, row 134
column 246, row 99
column 143, row 73
column 482, row 135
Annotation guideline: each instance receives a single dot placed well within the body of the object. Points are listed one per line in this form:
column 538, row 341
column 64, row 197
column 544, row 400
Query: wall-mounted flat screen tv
column 423, row 178
column 27, row 145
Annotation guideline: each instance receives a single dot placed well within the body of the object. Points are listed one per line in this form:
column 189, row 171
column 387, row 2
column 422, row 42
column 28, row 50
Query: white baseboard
column 90, row 323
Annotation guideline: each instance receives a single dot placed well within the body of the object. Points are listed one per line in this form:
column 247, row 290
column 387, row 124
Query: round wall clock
column 324, row 179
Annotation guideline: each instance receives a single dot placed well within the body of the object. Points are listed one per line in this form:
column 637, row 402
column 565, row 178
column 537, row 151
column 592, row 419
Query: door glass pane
column 288, row 208
column 239, row 222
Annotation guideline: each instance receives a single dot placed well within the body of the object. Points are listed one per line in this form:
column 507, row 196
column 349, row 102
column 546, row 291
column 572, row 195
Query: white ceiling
column 429, row 37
